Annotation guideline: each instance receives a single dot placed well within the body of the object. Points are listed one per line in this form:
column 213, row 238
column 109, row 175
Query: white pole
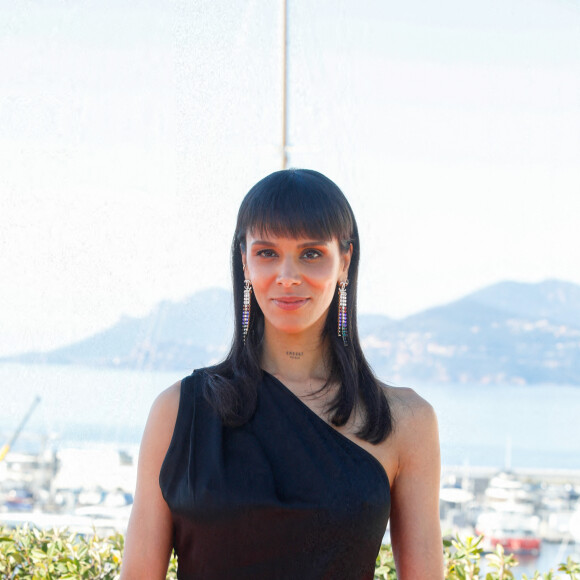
column 284, row 82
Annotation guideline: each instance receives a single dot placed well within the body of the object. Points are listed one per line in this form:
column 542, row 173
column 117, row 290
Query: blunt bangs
column 299, row 203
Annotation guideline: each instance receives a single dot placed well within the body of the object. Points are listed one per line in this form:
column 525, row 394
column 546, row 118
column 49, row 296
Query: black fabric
column 285, row 496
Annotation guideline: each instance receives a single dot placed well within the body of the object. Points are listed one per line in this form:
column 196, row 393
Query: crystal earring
column 342, row 317
column 246, row 309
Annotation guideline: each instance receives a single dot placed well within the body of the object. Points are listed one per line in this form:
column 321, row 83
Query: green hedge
column 33, row 554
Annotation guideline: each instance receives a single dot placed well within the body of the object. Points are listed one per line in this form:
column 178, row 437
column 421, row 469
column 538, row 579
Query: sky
column 130, row 132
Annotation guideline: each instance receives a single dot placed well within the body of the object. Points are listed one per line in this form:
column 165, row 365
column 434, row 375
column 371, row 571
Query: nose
column 289, row 274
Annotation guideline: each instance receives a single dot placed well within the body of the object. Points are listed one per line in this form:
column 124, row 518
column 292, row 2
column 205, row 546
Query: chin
column 295, row 327
column 289, row 328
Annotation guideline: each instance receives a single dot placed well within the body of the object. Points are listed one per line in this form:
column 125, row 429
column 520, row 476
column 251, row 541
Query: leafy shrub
column 32, row 554
column 28, row 553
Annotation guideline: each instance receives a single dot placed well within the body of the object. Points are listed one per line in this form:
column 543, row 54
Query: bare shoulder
column 158, row 434
column 415, row 427
column 168, row 399
column 415, row 438
column 408, row 408
column 163, row 415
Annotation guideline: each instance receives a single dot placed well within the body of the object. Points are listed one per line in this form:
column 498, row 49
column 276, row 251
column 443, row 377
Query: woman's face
column 294, row 280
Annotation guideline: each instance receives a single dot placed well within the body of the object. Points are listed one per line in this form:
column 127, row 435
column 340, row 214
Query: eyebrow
column 304, row 245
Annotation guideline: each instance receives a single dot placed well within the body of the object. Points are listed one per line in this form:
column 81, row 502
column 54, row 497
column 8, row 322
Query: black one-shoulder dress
column 285, row 496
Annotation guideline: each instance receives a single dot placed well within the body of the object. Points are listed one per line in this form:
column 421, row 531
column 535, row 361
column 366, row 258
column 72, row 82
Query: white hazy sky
column 129, row 133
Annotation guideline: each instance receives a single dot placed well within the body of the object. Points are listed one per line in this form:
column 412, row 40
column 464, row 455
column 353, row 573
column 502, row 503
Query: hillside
column 509, row 332
column 506, row 333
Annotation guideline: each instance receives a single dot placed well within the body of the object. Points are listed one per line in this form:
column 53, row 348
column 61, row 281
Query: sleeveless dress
column 285, row 496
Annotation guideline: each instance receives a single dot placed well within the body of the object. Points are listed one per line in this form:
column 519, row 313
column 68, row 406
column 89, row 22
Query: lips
column 290, row 302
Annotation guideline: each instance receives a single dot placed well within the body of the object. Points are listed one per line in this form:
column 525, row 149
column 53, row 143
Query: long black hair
column 298, row 203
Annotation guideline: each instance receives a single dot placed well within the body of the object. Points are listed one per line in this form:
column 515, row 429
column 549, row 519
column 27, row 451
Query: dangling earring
column 246, row 309
column 342, row 320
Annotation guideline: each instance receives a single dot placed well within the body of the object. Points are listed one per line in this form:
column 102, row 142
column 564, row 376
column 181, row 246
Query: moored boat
column 517, row 533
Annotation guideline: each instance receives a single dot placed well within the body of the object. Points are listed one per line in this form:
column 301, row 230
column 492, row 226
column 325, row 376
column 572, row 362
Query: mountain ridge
column 508, row 332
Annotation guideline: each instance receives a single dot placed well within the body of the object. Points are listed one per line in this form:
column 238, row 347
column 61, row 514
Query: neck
column 299, row 360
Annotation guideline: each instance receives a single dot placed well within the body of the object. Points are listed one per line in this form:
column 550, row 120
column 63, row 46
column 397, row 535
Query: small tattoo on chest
column 294, row 354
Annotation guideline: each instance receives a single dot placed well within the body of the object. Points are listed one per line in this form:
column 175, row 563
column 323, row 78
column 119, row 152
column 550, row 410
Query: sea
column 517, row 426
column 533, row 427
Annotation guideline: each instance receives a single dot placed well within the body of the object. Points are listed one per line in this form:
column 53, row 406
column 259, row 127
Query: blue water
column 79, row 405
column 478, row 424
column 534, row 426
column 527, row 426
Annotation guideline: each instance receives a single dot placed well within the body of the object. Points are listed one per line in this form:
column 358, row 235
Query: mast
column 284, row 83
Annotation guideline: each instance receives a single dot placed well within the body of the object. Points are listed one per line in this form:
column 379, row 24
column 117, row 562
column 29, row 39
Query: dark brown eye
column 312, row 254
column 266, row 253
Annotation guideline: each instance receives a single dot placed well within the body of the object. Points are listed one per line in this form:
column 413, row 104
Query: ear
column 244, row 266
column 346, row 258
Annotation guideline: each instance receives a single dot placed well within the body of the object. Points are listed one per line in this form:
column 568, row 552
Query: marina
column 74, row 463
column 90, row 490
column 520, row 509
column 84, row 490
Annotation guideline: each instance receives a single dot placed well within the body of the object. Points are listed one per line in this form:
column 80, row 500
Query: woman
column 287, row 459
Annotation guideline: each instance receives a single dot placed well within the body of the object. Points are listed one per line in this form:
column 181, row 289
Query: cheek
column 257, row 270
column 324, row 277
column 263, row 280
column 261, row 274
column 324, row 288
